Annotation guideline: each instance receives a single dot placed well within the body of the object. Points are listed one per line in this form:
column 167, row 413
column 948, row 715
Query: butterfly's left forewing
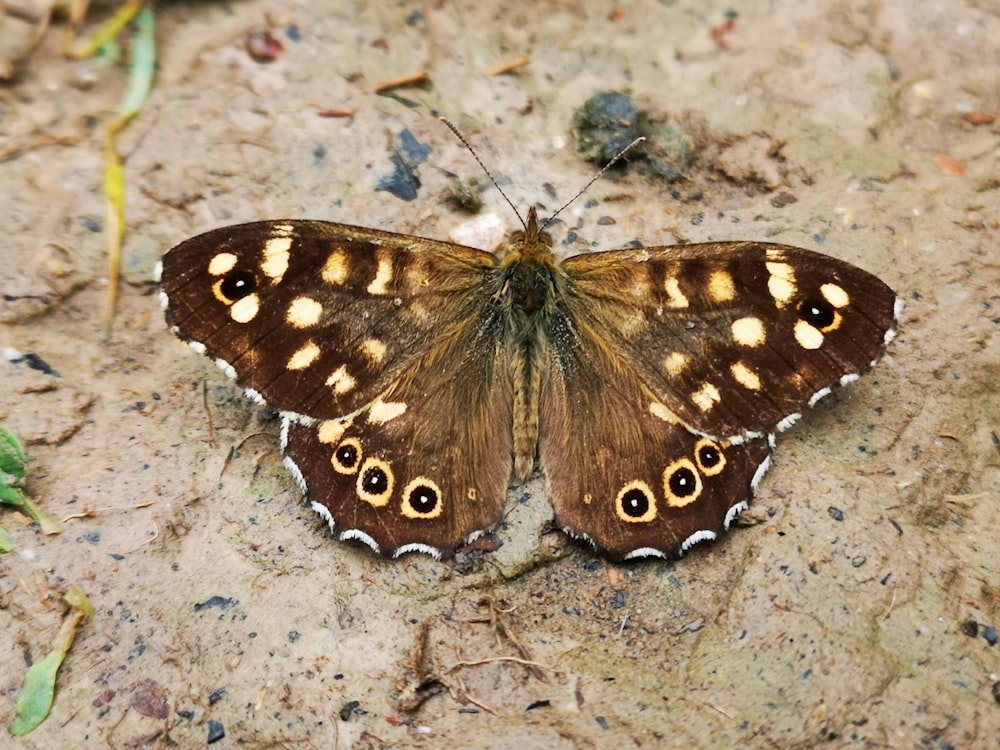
column 317, row 319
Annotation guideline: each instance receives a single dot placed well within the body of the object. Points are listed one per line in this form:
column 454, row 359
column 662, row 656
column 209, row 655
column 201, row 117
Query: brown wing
column 316, row 318
column 426, row 466
column 734, row 338
column 668, row 368
column 622, row 472
column 382, row 353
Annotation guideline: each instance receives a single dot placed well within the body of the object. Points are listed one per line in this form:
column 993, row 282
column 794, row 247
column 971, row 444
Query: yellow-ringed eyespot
column 347, row 456
column 636, row 503
column 375, row 482
column 681, row 483
column 234, row 286
column 422, row 499
column 710, row 458
column 820, row 314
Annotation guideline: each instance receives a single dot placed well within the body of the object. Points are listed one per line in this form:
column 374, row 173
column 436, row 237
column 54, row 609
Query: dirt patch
column 840, row 617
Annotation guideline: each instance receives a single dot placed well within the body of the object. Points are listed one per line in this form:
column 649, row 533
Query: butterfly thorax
column 531, row 275
column 531, row 284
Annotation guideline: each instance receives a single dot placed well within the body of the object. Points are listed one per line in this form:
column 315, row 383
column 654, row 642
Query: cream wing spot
column 383, row 275
column 640, row 289
column 632, row 323
column 331, row 430
column 706, row 397
column 221, row 263
column 781, row 283
column 749, row 332
column 341, row 381
column 382, row 412
column 836, row 295
column 745, row 376
column 374, row 350
column 244, row 310
column 304, row 356
column 304, row 312
column 276, row 257
column 661, row 412
column 675, row 362
column 336, row 268
column 675, row 297
column 721, row 287
column 808, row 336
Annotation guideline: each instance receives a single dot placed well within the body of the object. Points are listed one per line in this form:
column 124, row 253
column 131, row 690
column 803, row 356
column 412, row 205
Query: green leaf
column 12, row 476
column 35, row 699
column 6, row 542
column 45, row 522
column 9, row 493
column 78, row 600
column 143, row 67
column 12, row 458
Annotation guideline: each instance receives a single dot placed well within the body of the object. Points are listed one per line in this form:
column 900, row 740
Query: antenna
column 458, row 134
column 593, row 179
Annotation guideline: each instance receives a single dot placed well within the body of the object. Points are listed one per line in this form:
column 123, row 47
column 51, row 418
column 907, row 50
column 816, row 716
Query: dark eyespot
column 635, row 504
column 347, row 456
column 375, row 481
column 817, row 313
column 238, row 284
column 423, row 499
column 683, row 482
column 709, row 456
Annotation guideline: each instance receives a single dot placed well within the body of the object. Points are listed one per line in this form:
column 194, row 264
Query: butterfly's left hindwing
column 426, row 466
column 622, row 472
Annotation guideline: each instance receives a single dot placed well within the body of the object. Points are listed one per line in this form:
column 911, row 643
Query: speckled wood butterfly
column 414, row 376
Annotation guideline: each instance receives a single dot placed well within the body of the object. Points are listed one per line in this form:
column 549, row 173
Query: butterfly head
column 533, row 244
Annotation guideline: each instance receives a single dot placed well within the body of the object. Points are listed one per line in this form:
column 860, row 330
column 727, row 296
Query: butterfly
column 415, row 377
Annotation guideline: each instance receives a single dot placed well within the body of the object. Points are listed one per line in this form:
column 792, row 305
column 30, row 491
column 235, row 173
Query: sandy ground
column 222, row 602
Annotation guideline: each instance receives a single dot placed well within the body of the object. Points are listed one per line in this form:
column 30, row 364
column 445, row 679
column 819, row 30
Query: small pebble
column 990, row 634
column 216, row 731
